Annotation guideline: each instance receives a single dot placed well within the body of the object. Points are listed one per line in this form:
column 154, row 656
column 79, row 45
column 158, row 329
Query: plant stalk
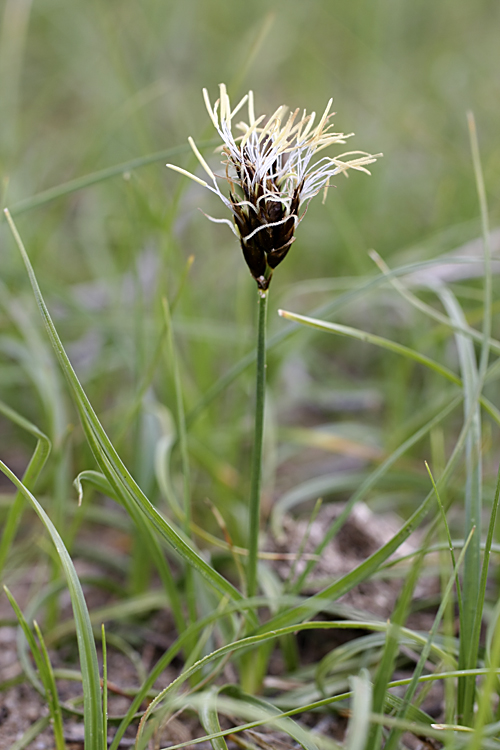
column 256, row 478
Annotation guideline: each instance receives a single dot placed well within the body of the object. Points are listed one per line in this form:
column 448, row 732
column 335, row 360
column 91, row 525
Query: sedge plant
column 270, row 176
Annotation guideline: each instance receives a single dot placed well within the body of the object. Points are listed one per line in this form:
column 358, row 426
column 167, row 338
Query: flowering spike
column 269, row 175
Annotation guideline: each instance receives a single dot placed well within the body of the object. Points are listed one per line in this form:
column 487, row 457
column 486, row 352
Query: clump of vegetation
column 183, row 566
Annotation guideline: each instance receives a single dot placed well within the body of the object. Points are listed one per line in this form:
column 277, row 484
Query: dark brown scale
column 269, row 246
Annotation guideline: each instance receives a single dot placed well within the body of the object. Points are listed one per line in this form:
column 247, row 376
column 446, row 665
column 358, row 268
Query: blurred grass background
column 90, row 84
column 86, row 85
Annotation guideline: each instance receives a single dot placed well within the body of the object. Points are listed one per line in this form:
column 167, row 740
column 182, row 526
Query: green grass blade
column 393, row 346
column 361, row 706
column 99, row 482
column 476, row 633
column 369, row 483
column 393, row 738
column 448, row 535
column 32, row 644
column 51, row 692
column 209, row 719
column 33, row 471
column 485, row 228
column 104, row 683
column 286, row 725
column 31, row 734
column 473, row 504
column 327, row 310
column 428, row 310
column 117, row 170
column 86, row 644
column 173, row 359
column 371, row 338
column 106, row 455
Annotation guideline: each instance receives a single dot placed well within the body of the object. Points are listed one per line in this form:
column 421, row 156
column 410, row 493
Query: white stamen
column 266, row 226
column 221, row 221
column 250, row 130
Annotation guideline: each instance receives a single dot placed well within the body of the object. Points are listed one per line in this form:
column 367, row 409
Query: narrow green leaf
column 392, row 741
column 472, row 385
column 393, row 346
column 106, row 456
column 104, row 683
column 31, row 734
column 285, row 724
column 326, row 311
column 361, row 706
column 100, row 483
column 33, row 471
column 209, row 719
column 85, row 638
column 117, row 170
column 51, row 692
column 30, row 638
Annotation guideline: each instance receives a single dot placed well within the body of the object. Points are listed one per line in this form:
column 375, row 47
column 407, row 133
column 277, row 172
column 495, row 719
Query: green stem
column 260, row 395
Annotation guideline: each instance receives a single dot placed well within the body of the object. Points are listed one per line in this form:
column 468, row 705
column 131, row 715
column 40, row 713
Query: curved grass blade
column 86, row 644
column 287, row 725
column 370, row 481
column 472, row 385
column 325, row 311
column 256, row 640
column 433, row 730
column 31, row 734
column 99, row 482
column 393, row 346
column 51, row 692
column 59, row 191
column 209, row 719
column 33, row 471
column 39, row 684
column 187, row 636
column 428, row 310
column 392, row 741
column 106, row 456
column 359, row 723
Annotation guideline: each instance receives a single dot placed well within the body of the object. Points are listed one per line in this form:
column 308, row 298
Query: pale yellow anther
column 248, row 131
column 201, row 159
column 325, row 115
column 251, row 111
column 224, row 103
column 238, row 106
column 187, row 174
column 211, row 112
column 285, row 132
column 309, row 125
column 274, row 120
